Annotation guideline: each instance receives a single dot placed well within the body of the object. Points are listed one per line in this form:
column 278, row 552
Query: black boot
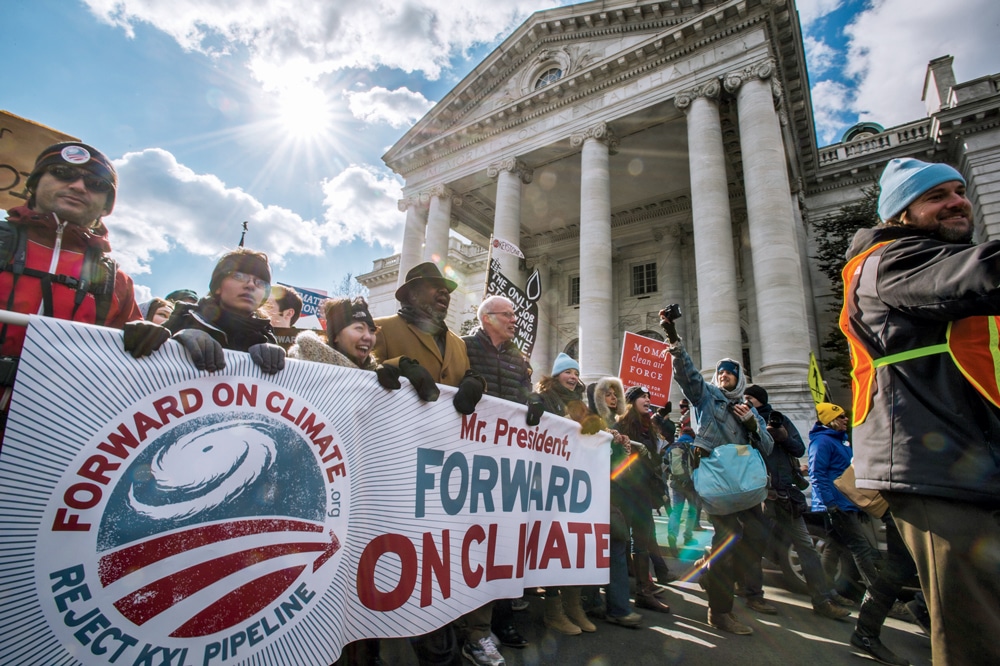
column 873, row 647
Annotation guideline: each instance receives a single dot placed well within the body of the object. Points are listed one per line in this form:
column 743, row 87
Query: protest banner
column 525, row 303
column 154, row 514
column 21, row 140
column 645, row 362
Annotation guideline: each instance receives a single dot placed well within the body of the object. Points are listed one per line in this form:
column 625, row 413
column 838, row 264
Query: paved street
column 795, row 636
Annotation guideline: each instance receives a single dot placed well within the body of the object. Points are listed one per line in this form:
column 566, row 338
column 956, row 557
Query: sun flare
column 304, row 112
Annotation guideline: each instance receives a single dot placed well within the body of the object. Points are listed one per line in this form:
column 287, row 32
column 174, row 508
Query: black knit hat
column 757, row 392
column 74, row 153
column 342, row 312
column 242, row 260
column 635, row 392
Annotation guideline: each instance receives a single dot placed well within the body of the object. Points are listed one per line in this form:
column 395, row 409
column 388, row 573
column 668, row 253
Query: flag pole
column 489, row 263
column 243, row 236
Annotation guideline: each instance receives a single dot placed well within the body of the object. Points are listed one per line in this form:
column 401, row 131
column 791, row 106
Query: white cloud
column 820, row 56
column 892, row 42
column 831, row 102
column 361, row 203
column 399, row 108
column 306, row 38
column 811, row 11
column 163, row 204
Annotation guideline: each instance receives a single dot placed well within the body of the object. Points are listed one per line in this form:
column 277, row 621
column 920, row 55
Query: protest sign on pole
column 153, row 513
column 645, row 362
column 21, row 141
column 525, row 303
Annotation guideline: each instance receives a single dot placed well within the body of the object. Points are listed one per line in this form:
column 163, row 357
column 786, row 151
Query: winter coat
column 717, row 423
column 829, row 455
column 929, row 431
column 398, row 337
column 232, row 330
column 788, row 446
column 506, row 370
column 312, row 347
column 646, row 474
column 44, row 233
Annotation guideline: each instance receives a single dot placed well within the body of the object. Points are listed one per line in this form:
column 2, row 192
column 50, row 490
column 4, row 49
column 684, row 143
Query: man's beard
column 431, row 313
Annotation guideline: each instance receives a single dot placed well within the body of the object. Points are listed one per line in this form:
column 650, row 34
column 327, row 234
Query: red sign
column 645, row 362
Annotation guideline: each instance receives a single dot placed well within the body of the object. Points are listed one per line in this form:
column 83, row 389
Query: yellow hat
column 827, row 412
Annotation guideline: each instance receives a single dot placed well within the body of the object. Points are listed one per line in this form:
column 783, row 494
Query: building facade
column 646, row 153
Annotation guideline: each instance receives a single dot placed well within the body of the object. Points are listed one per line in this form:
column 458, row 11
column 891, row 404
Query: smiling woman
column 304, row 111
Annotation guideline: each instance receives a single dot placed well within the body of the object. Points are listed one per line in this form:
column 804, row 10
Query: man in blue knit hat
column 921, row 314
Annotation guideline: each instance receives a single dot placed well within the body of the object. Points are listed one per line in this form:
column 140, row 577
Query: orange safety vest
column 973, row 343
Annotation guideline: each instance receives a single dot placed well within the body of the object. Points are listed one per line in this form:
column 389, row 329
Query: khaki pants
column 956, row 547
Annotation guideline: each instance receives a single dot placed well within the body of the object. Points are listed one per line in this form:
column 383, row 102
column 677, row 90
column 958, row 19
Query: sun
column 304, row 112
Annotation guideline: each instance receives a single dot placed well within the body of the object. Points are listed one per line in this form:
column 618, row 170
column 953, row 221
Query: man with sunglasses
column 54, row 250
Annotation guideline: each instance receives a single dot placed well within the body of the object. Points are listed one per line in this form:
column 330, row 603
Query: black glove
column 535, row 409
column 142, row 338
column 669, row 327
column 470, row 390
column 388, row 377
column 206, row 353
column 422, row 381
column 269, row 358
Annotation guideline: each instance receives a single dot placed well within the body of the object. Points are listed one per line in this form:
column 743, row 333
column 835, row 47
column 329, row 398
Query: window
column 547, row 77
column 574, row 290
column 644, row 279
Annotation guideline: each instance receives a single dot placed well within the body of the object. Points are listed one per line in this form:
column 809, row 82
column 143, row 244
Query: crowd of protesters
column 56, row 263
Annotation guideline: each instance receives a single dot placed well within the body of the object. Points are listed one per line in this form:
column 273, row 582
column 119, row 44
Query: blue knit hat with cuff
column 563, row 363
column 906, row 179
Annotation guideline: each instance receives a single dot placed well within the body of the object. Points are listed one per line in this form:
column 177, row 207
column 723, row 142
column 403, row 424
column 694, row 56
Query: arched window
column 573, row 349
column 547, row 77
column 651, row 334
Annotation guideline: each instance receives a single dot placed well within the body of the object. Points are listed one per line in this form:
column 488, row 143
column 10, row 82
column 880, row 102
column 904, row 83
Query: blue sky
column 278, row 111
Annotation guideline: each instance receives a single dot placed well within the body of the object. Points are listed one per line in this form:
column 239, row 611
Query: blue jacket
column 829, row 455
column 717, row 424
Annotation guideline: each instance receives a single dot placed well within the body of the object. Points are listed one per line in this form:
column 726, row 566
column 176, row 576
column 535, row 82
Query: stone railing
column 384, row 263
column 895, row 136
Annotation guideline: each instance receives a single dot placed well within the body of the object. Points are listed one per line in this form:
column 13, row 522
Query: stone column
column 438, row 224
column 715, row 259
column 510, row 174
column 784, row 332
column 597, row 322
column 413, row 234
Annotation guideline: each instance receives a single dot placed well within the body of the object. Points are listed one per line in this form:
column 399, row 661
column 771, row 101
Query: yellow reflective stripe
column 995, row 350
column 910, row 354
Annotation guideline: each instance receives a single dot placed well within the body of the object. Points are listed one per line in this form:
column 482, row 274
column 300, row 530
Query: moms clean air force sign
column 152, row 514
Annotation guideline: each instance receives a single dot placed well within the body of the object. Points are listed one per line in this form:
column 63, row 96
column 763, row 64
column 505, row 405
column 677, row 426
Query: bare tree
column 348, row 287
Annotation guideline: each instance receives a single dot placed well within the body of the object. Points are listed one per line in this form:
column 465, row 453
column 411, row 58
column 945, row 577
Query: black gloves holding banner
column 470, row 390
column 142, row 338
column 423, row 383
column 269, row 358
column 535, row 409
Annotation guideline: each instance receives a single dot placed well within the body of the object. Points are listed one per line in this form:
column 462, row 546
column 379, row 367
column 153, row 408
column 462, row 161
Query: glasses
column 246, row 278
column 505, row 315
column 68, row 174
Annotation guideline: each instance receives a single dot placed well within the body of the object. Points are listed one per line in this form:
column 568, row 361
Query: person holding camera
column 723, row 418
column 786, row 503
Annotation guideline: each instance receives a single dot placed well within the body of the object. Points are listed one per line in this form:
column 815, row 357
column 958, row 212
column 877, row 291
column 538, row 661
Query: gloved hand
column 746, row 415
column 142, row 338
column 470, row 391
column 388, row 377
column 268, row 357
column 669, row 327
column 641, row 449
column 535, row 409
column 422, row 381
column 591, row 424
column 205, row 352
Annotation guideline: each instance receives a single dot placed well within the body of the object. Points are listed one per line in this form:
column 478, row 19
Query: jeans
column 793, row 528
column 737, row 547
column 847, row 528
column 616, row 593
column 679, row 494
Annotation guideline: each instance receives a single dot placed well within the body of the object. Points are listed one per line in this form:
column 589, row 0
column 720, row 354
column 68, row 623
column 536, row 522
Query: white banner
column 154, row 514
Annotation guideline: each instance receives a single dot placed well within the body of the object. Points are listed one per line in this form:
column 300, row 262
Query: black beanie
column 242, row 261
column 342, row 312
column 74, row 153
column 757, row 392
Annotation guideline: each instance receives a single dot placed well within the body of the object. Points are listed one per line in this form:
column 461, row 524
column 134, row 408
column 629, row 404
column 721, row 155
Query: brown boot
column 555, row 617
column 574, row 609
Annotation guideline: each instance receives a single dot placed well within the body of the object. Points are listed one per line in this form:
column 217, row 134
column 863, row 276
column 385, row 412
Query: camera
column 672, row 312
column 776, row 419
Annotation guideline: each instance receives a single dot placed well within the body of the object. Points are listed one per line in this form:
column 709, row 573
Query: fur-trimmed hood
column 597, row 393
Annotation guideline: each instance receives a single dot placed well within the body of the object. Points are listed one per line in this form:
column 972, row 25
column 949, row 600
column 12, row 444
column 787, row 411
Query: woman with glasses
column 228, row 317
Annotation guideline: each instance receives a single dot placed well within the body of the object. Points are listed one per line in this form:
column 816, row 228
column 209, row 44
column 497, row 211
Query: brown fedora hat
column 425, row 271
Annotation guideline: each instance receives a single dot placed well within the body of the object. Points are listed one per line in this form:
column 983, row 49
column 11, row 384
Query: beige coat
column 399, row 338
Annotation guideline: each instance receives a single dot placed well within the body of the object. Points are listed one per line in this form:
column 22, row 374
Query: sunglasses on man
column 68, row 174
